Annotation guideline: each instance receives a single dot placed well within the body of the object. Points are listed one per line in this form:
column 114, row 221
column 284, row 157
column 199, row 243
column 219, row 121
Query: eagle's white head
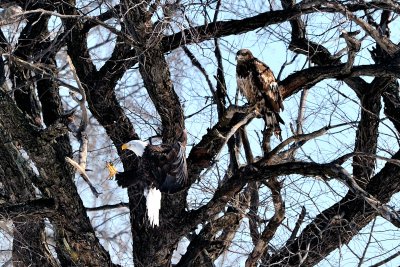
column 137, row 146
column 243, row 55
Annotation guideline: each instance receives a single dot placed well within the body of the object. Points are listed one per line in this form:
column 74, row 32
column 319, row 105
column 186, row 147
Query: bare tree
column 80, row 78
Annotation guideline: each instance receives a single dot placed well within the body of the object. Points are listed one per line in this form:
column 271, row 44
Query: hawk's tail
column 272, row 120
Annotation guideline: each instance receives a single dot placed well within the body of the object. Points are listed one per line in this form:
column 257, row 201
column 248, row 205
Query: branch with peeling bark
column 251, row 115
column 80, row 132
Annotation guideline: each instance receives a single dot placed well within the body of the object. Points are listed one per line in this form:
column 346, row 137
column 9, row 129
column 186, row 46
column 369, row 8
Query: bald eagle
column 162, row 167
column 258, row 85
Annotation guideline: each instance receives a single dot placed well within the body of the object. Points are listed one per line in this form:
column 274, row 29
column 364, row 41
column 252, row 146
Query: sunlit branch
column 81, row 132
column 296, row 138
column 235, row 128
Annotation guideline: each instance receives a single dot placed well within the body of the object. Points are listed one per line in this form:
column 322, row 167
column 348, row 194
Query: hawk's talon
column 274, row 86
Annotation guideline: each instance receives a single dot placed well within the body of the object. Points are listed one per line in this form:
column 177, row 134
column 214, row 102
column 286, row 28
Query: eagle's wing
column 270, row 86
column 177, row 174
column 169, row 166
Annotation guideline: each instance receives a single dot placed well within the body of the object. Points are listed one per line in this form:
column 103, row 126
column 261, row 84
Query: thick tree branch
column 204, row 152
column 108, row 207
column 308, row 77
column 37, row 207
column 299, row 222
column 99, row 85
column 353, row 46
column 391, row 99
column 206, row 240
column 233, row 27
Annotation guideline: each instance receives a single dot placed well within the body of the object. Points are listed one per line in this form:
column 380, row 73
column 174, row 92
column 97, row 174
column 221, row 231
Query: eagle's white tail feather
column 153, row 204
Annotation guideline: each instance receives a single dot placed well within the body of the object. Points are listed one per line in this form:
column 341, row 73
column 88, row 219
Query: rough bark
column 141, row 41
column 28, row 232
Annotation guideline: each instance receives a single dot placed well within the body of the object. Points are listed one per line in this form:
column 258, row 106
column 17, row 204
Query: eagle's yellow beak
column 124, row 146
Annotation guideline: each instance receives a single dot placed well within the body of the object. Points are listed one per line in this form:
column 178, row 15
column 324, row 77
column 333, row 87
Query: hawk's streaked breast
column 248, row 89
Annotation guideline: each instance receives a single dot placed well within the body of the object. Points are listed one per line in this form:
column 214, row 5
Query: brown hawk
column 258, row 85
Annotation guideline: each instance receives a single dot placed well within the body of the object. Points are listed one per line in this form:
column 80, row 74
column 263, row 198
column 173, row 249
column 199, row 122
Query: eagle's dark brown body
column 163, row 166
column 258, row 85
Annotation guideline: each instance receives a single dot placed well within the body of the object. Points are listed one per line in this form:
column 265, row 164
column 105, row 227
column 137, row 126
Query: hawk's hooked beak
column 124, row 146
